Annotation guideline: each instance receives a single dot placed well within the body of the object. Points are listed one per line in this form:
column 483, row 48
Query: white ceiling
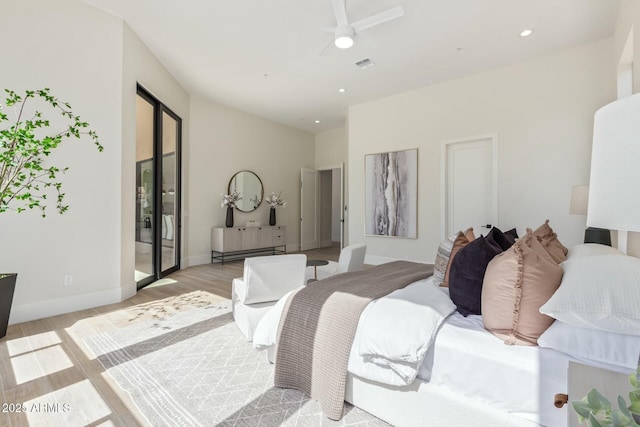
column 263, row 57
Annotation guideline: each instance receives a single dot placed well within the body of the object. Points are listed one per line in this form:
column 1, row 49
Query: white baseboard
column 53, row 307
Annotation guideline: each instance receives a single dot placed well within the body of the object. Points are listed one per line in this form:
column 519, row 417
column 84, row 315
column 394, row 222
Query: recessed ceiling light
column 342, row 90
column 317, row 121
column 526, row 33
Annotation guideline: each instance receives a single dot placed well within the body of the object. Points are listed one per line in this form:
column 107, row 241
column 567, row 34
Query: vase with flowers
column 229, row 201
column 274, row 200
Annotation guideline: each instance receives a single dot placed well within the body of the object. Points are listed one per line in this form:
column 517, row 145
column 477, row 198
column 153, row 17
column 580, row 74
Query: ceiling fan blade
column 326, row 48
column 340, row 11
column 378, row 18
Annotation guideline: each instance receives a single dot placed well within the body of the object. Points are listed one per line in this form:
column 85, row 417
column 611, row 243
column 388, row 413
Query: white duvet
column 393, row 334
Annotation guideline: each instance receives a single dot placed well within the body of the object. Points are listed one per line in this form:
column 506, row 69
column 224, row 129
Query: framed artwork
column 391, row 194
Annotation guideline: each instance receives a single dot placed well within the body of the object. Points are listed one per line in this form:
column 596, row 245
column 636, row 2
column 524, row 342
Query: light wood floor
column 46, row 362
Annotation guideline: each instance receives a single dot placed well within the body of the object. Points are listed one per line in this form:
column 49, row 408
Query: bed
column 467, row 376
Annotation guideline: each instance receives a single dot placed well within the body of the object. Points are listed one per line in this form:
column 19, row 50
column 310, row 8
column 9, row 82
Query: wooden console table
column 232, row 243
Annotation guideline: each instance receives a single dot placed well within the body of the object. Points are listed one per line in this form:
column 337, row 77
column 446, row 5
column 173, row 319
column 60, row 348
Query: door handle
column 486, row 226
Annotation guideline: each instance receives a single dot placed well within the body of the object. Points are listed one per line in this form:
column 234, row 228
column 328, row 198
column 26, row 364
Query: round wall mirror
column 250, row 188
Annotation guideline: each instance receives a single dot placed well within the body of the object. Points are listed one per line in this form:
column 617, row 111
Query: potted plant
column 26, row 180
column 598, row 411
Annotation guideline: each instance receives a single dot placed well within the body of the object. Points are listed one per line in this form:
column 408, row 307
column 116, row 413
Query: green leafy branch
column 24, row 179
column 598, row 411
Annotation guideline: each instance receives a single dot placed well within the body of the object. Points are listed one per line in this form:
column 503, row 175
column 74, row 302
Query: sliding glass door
column 157, row 235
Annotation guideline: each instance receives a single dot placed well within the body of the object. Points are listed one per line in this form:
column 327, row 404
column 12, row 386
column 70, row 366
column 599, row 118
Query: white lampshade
column 614, row 186
column 579, row 200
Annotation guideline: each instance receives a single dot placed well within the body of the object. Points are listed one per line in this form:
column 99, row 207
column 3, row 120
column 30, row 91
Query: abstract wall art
column 391, row 194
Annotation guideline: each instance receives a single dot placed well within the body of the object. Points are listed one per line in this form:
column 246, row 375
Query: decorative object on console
column 274, row 201
column 272, row 216
column 579, row 206
column 391, row 194
column 229, row 219
column 613, row 185
column 516, row 283
column 230, row 201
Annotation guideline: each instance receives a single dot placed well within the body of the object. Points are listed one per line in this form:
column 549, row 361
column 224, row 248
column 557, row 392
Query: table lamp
column 579, row 206
column 614, row 185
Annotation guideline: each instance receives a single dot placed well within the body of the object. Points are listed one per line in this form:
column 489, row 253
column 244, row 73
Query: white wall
column 628, row 19
column 331, row 148
column 76, row 51
column 98, row 61
column 224, row 141
column 542, row 111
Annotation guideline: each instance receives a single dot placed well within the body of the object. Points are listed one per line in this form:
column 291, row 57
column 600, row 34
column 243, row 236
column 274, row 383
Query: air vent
column 365, row 63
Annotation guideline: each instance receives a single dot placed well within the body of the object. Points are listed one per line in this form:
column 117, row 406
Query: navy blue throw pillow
column 511, row 235
column 467, row 274
column 500, row 239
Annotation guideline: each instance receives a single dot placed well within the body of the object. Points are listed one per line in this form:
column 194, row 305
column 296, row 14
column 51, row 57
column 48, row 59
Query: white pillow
column 592, row 345
column 590, row 249
column 599, row 292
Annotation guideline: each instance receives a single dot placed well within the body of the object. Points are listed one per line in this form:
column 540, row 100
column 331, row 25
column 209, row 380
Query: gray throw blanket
column 318, row 325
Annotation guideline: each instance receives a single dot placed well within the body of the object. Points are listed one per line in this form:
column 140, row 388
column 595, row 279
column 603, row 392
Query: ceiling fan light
column 344, row 41
column 344, row 36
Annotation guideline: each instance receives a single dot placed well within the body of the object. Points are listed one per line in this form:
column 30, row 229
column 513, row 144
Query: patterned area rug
column 195, row 368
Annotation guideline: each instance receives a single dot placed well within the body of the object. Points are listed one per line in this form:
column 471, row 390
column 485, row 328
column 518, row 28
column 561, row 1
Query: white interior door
column 470, row 184
column 342, row 210
column 308, row 209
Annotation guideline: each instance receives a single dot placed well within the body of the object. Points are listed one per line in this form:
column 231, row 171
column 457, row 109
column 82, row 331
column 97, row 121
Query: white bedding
column 522, row 380
column 464, row 359
column 392, row 336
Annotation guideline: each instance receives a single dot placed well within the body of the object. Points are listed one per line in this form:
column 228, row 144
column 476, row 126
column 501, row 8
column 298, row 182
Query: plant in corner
column 598, row 411
column 26, row 180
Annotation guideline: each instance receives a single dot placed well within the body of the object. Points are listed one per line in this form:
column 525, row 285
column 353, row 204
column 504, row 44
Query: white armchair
column 265, row 280
column 351, row 259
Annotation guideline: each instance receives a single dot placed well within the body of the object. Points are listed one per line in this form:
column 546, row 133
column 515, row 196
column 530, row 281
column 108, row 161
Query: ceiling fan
column 344, row 32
